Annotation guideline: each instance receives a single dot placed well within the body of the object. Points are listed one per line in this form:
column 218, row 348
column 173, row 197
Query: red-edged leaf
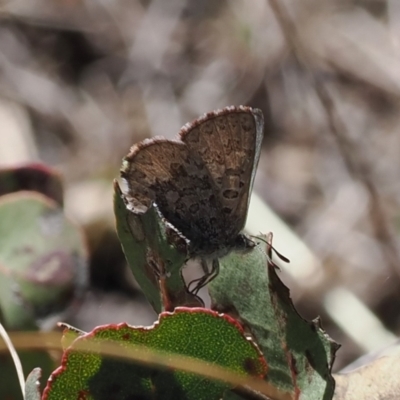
column 192, row 332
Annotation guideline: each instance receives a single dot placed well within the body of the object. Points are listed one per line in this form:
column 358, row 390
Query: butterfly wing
column 163, row 171
column 228, row 142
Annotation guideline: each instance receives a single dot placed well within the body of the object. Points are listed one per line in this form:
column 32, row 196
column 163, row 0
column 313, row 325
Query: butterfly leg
column 208, row 276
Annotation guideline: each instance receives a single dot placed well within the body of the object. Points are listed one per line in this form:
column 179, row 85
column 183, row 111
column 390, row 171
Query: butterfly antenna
column 271, row 248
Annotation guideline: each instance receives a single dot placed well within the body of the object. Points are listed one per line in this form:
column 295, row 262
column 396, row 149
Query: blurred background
column 81, row 81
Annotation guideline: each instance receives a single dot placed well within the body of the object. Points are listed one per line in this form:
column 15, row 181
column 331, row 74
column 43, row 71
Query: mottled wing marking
column 226, row 141
column 146, row 165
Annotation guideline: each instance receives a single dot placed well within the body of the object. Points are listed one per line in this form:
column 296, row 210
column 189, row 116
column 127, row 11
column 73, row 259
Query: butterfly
column 201, row 182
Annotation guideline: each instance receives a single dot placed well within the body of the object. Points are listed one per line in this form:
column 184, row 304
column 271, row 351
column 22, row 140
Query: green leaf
column 32, row 391
column 42, row 258
column 151, row 250
column 299, row 353
column 192, row 332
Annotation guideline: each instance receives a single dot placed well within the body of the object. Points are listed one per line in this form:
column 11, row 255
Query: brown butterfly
column 201, row 183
